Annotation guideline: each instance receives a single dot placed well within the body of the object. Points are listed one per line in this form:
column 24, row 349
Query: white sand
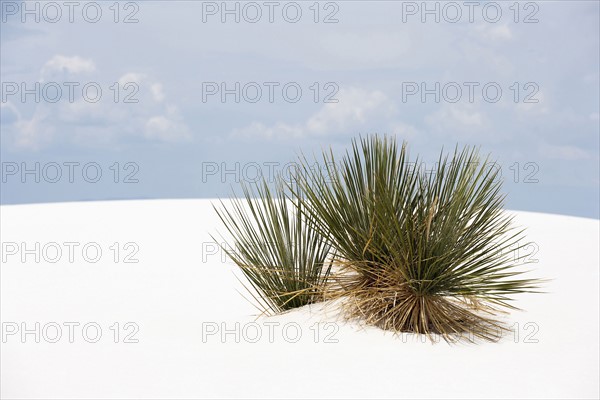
column 175, row 297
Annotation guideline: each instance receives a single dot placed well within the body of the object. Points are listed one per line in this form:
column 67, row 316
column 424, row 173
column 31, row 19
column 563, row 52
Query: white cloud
column 95, row 123
column 169, row 127
column 494, row 32
column 532, row 108
column 355, row 106
column 402, row 130
column 9, row 114
column 31, row 133
column 354, row 109
column 34, row 133
column 569, row 153
column 279, row 130
column 131, row 77
column 157, row 92
column 461, row 120
column 71, row 65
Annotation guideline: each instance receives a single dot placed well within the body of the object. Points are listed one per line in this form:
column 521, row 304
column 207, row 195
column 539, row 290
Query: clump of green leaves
column 285, row 261
column 428, row 252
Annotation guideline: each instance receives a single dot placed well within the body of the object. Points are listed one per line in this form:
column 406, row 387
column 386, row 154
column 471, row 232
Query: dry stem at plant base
column 390, row 304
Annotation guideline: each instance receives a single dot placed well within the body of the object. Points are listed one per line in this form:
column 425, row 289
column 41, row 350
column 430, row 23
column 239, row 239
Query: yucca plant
column 417, row 252
column 405, row 249
column 285, row 262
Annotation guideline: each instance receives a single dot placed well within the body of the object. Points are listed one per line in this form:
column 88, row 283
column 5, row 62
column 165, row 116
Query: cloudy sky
column 157, row 99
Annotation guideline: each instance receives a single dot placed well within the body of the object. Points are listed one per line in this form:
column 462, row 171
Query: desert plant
column 417, row 252
column 285, row 262
column 404, row 249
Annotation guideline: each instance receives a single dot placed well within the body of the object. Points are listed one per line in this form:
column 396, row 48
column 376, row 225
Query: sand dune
column 173, row 325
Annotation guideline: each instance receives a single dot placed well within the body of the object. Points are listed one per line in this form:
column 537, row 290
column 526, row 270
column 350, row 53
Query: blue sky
column 373, row 67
